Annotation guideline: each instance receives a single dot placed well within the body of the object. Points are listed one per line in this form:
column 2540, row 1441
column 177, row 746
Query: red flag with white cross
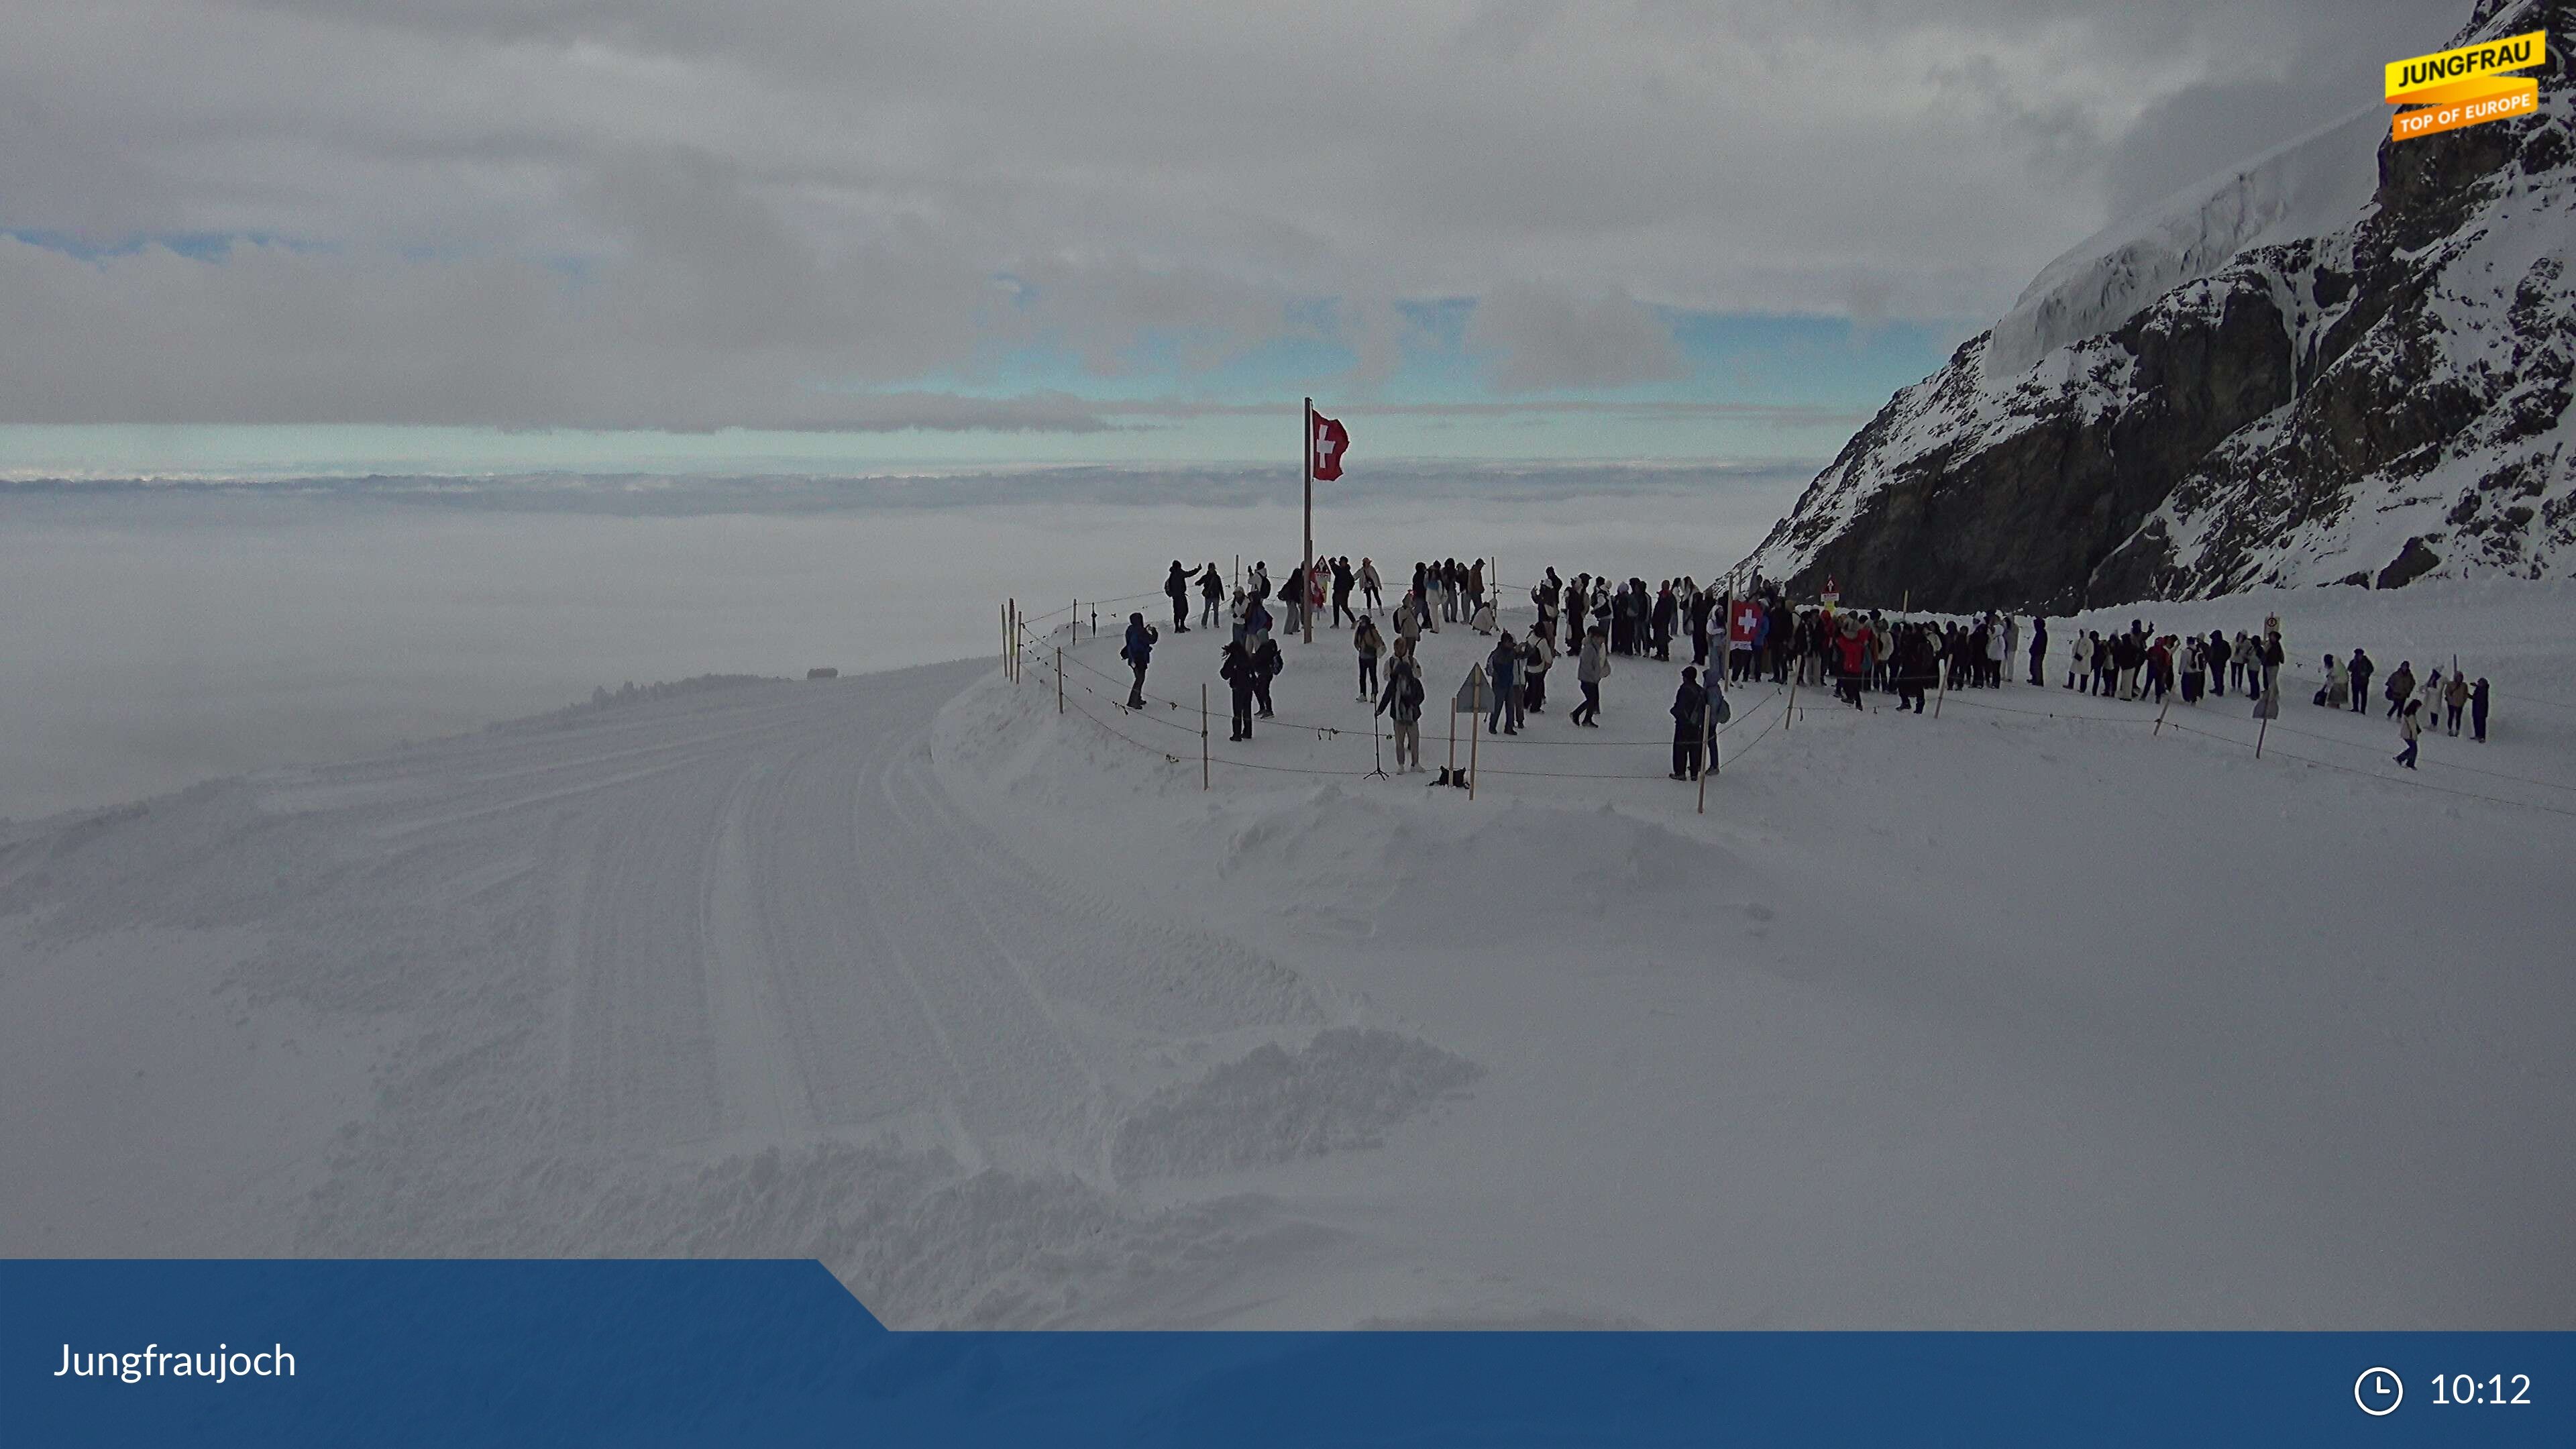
column 1326, row 441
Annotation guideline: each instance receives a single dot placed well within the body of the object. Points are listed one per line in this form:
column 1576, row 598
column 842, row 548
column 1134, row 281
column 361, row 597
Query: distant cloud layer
column 814, row 214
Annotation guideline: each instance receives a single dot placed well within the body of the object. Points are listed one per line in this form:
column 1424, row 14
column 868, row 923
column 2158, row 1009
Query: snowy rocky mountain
column 2301, row 372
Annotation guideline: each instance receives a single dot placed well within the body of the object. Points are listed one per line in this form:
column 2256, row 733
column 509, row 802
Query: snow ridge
column 2306, row 371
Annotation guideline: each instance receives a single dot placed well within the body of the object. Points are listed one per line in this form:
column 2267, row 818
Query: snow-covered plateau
column 2035, row 1014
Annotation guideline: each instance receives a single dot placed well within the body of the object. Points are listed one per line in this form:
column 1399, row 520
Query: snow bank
column 1341, row 1090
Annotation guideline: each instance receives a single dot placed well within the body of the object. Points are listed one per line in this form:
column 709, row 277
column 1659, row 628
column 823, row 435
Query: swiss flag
column 1326, row 441
column 1744, row 625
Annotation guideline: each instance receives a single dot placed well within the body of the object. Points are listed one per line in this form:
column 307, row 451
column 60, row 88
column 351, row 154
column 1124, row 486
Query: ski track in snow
column 641, row 962
column 1994, row 1020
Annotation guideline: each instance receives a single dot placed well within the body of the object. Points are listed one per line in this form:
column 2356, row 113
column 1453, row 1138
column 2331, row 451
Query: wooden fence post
column 1203, row 735
column 1711, row 754
column 1059, row 679
column 1478, row 695
column 1453, row 739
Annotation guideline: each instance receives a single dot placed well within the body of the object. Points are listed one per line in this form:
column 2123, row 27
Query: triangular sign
column 1473, row 695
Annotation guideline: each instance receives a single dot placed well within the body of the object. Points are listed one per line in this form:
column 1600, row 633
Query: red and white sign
column 1744, row 624
column 1327, row 442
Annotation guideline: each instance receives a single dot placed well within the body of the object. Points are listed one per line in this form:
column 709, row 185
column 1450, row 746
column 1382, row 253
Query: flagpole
column 1306, row 575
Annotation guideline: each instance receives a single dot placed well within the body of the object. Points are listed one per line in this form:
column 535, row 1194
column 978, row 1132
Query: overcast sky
column 968, row 217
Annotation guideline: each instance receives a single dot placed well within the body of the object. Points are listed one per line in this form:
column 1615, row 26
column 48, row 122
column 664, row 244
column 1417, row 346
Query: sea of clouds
column 156, row 633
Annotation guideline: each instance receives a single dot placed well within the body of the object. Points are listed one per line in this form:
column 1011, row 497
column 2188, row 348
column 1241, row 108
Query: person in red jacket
column 1851, row 645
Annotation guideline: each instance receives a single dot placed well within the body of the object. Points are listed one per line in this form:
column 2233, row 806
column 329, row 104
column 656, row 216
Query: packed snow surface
column 2035, row 1014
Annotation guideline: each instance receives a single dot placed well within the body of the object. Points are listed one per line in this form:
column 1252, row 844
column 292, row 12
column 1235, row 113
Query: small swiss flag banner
column 1744, row 624
column 1326, row 441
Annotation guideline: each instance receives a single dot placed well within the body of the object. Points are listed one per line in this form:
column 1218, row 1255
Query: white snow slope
column 2040, row 1018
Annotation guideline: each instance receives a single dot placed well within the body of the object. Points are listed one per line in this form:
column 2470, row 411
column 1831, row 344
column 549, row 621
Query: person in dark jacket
column 2038, row 648
column 1237, row 673
column 1138, row 652
column 2217, row 653
column 1266, row 664
column 1503, row 685
column 1211, row 594
column 1690, row 725
column 1177, row 589
column 2478, row 710
column 2360, row 669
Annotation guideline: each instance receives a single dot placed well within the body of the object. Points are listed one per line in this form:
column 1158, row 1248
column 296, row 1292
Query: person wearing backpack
column 2455, row 698
column 1138, row 652
column 1690, row 725
column 1401, row 702
column 1177, row 589
column 1370, row 644
column 1538, row 651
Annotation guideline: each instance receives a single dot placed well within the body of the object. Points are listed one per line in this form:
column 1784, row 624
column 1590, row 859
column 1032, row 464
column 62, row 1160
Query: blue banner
column 734, row 1353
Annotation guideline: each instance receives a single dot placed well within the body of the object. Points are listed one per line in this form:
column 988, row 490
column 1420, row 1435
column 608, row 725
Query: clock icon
column 2378, row 1392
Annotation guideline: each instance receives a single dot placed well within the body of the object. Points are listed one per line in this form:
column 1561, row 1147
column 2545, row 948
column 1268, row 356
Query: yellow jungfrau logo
column 2466, row 87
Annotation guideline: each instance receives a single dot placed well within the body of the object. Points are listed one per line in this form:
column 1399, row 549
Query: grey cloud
column 1551, row 339
column 2288, row 82
column 772, row 206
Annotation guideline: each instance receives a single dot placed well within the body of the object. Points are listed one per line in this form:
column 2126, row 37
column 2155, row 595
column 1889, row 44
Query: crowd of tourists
column 1734, row 638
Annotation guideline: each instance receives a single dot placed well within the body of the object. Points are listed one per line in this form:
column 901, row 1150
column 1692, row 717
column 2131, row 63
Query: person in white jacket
column 2079, row 664
column 1590, row 668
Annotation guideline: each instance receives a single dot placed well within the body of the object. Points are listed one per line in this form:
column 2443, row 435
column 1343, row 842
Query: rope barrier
column 2062, row 648
column 2382, row 776
column 1324, row 731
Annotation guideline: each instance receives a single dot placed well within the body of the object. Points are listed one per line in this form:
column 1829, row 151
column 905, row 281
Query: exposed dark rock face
column 2379, row 398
